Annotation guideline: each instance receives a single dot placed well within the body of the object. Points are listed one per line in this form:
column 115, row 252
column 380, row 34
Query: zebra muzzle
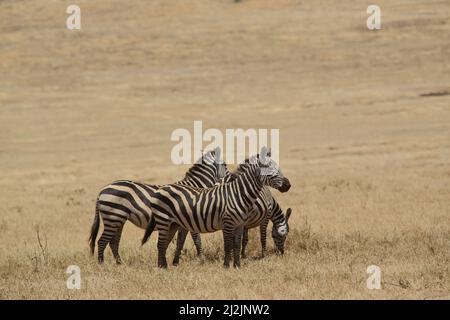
column 285, row 186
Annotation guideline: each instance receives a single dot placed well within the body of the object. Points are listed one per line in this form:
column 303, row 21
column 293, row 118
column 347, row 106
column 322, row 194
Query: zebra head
column 270, row 173
column 280, row 230
column 213, row 159
column 208, row 170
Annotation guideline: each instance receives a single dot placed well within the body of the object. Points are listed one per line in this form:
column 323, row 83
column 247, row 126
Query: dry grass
column 365, row 146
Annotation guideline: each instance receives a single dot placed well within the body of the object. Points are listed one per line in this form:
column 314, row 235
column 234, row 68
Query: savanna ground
column 364, row 120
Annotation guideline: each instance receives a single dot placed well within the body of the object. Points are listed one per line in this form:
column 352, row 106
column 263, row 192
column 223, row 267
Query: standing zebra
column 223, row 207
column 265, row 208
column 127, row 200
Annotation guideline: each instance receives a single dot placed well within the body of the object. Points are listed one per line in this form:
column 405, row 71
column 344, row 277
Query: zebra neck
column 198, row 177
column 249, row 187
column 277, row 216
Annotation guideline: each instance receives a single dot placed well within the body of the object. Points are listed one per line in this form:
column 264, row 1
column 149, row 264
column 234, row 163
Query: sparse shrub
column 303, row 238
column 39, row 256
column 3, row 226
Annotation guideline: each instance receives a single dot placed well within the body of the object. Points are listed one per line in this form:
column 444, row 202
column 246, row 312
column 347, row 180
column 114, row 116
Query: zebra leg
column 228, row 243
column 181, row 238
column 263, row 235
column 114, row 244
column 237, row 246
column 105, row 238
column 164, row 238
column 110, row 229
column 244, row 243
column 198, row 243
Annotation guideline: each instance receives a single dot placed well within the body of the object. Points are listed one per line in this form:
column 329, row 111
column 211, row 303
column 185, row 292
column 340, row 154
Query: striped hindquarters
column 126, row 200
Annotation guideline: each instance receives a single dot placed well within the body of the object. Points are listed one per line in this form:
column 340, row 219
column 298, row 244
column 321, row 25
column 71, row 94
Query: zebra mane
column 207, row 163
column 207, row 160
column 231, row 176
column 254, row 160
column 248, row 162
column 242, row 167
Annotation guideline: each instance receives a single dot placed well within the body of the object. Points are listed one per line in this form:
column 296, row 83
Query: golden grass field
column 368, row 155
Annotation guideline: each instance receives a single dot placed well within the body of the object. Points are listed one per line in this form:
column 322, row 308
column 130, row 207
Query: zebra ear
column 288, row 214
column 269, row 152
column 217, row 154
column 263, row 152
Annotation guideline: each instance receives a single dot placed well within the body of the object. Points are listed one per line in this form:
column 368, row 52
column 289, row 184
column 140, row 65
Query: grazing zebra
column 223, row 207
column 280, row 228
column 265, row 208
column 127, row 200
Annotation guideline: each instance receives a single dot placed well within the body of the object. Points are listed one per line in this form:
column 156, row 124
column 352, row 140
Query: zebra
column 223, row 207
column 261, row 216
column 265, row 208
column 125, row 200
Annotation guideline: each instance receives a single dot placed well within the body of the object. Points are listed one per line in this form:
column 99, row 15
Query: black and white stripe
column 128, row 200
column 223, row 207
column 265, row 209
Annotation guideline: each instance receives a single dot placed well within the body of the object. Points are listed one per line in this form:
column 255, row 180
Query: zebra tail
column 148, row 232
column 94, row 228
